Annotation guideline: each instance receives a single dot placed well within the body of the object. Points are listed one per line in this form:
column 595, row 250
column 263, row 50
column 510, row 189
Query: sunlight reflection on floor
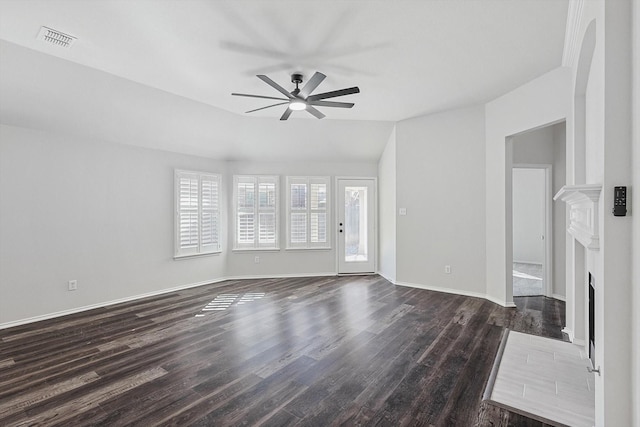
column 225, row 301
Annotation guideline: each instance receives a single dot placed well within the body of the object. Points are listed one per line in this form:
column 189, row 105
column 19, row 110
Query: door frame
column 374, row 219
column 547, row 268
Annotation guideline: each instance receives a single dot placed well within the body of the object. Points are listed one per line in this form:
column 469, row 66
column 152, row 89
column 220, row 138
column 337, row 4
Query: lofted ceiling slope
column 160, row 73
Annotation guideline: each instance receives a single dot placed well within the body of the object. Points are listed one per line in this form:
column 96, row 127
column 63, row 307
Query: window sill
column 256, row 250
column 179, row 257
column 319, row 248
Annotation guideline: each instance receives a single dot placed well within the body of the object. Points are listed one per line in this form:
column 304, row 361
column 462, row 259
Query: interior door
column 356, row 225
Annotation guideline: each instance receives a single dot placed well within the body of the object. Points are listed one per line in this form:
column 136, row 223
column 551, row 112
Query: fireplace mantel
column 583, row 214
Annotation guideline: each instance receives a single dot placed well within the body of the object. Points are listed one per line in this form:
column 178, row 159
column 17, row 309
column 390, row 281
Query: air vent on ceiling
column 55, row 37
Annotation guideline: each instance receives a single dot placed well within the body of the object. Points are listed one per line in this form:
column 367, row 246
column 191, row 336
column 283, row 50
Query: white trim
column 374, row 214
column 243, row 277
column 527, row 262
column 388, row 279
column 569, row 333
column 179, row 257
column 559, row 297
column 280, row 276
column 580, row 343
column 583, row 212
column 572, row 337
column 500, row 302
column 571, row 37
column 457, row 292
column 105, row 304
column 319, row 248
column 240, row 250
column 152, row 294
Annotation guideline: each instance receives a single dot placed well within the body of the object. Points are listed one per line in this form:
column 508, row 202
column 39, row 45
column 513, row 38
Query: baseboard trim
column 280, row 276
column 570, row 333
column 61, row 313
column 572, row 337
column 559, row 297
column 527, row 262
column 388, row 279
column 105, row 304
column 457, row 292
column 580, row 343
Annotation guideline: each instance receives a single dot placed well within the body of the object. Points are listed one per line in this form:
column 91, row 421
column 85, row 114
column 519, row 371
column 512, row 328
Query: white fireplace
column 583, row 202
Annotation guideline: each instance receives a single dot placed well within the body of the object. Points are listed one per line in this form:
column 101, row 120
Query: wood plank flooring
column 279, row 352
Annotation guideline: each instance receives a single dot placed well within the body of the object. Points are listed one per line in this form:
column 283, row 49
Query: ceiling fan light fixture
column 297, row 106
column 301, row 99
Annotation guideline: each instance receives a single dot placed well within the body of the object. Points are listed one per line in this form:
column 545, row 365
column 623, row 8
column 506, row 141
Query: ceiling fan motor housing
column 296, row 78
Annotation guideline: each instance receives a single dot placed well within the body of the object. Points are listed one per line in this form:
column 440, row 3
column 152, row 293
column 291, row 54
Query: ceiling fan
column 301, row 99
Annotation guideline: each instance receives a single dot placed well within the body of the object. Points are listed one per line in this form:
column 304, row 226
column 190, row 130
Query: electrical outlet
column 447, row 269
column 256, row 260
column 73, row 285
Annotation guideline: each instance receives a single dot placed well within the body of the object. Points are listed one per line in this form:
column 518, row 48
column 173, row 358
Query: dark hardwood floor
column 306, row 351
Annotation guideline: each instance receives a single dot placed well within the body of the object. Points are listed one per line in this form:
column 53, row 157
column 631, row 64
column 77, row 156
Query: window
column 308, row 212
column 197, row 220
column 255, row 212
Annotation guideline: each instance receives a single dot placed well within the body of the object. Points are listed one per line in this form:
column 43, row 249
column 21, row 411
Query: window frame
column 256, row 210
column 308, row 181
column 199, row 249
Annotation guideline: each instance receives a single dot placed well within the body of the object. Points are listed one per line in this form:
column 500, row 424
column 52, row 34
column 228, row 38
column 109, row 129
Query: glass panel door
column 356, row 226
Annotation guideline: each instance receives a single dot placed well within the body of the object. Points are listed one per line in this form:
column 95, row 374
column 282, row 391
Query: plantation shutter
column 307, row 212
column 197, row 213
column 318, row 212
column 210, row 213
column 187, row 213
column 256, row 212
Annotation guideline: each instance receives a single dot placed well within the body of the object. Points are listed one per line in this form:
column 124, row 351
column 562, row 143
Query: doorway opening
column 536, row 157
column 530, row 205
column 356, row 225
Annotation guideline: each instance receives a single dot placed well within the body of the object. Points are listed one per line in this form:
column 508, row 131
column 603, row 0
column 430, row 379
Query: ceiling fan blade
column 286, row 114
column 332, row 104
column 275, row 85
column 333, row 94
column 258, row 96
column 314, row 112
column 268, row 106
column 311, row 84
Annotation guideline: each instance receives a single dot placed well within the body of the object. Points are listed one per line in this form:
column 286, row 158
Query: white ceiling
column 409, row 58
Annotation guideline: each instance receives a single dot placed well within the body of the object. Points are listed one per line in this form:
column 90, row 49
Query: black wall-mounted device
column 620, row 201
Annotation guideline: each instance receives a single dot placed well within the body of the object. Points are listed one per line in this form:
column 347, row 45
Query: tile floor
column 527, row 280
column 547, row 378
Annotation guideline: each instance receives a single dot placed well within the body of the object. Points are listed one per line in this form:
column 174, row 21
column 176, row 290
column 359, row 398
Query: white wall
column 614, row 393
column 101, row 214
column 560, row 211
column 528, row 215
column 387, row 188
column 287, row 262
column 547, row 145
column 440, row 181
column 607, row 141
column 540, row 102
column 634, row 204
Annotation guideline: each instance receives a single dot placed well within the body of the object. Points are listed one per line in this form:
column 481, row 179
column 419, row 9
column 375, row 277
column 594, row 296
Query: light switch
column 403, row 211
